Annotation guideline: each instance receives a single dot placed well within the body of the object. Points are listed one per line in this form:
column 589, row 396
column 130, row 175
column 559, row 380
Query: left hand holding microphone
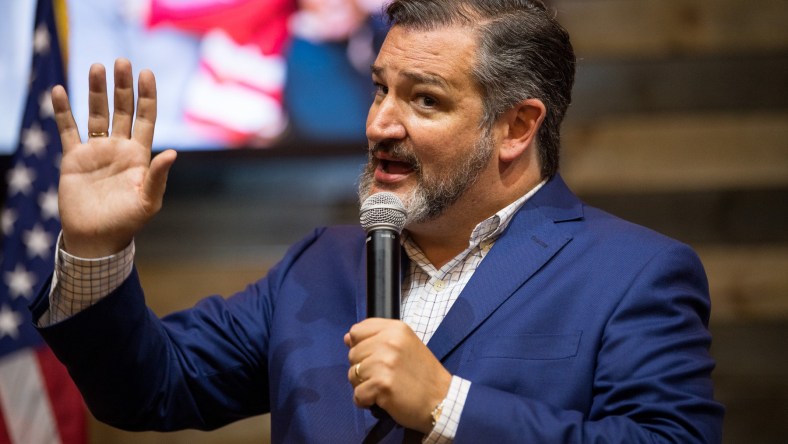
column 392, row 368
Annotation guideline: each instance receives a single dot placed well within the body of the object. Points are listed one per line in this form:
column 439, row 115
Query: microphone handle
column 383, row 274
column 383, row 281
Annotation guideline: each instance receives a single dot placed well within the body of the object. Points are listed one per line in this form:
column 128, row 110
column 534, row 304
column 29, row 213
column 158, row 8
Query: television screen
column 230, row 73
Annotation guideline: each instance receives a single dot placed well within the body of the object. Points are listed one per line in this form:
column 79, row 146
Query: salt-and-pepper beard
column 432, row 195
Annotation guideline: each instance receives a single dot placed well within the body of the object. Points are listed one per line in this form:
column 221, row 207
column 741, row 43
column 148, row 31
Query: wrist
column 450, row 408
column 91, row 248
column 433, row 405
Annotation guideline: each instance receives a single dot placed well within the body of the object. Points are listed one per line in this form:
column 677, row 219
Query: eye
column 380, row 89
column 427, row 101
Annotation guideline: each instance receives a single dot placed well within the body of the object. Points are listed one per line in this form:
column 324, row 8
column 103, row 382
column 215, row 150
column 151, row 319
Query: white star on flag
column 41, row 40
column 47, row 110
column 20, row 179
column 9, row 219
column 9, row 322
column 20, row 282
column 39, row 242
column 35, row 141
column 48, row 203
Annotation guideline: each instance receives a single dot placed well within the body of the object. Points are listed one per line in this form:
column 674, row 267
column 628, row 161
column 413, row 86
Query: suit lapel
column 532, row 238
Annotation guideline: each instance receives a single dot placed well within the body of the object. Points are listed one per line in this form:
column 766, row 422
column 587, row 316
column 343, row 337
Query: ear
column 522, row 126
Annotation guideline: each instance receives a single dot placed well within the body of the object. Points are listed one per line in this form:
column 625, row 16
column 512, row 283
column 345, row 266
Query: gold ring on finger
column 98, row 134
column 357, row 370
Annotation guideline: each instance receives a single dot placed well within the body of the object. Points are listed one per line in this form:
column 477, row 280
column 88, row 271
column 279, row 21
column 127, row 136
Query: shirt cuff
column 446, row 427
column 79, row 283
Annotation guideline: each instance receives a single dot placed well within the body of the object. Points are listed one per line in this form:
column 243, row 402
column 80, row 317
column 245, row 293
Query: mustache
column 396, row 150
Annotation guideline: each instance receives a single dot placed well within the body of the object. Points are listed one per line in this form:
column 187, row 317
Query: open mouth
column 395, row 166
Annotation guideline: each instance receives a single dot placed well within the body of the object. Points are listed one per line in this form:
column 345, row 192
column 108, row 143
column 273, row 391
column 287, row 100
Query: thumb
column 156, row 181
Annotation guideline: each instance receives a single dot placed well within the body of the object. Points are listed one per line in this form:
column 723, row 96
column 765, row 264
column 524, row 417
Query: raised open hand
column 109, row 186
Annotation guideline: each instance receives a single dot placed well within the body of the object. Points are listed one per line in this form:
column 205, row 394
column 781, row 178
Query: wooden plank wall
column 688, row 100
column 679, row 122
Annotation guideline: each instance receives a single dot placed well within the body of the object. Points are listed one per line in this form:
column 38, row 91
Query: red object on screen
column 236, row 93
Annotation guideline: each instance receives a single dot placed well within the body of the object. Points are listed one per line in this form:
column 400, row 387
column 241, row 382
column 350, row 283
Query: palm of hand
column 102, row 189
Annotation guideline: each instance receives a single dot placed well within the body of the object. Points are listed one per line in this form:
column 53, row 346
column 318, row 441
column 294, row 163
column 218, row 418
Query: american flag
column 38, row 401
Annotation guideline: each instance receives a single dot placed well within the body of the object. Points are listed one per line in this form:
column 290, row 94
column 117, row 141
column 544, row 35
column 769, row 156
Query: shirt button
column 439, row 285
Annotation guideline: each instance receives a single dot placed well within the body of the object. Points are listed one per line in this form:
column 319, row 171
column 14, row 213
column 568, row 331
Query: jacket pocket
column 532, row 346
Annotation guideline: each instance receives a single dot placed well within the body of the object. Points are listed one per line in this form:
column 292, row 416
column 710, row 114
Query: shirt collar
column 493, row 226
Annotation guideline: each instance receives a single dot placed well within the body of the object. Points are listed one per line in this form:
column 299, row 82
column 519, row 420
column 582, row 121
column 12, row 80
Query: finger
column 391, row 338
column 363, row 403
column 365, row 329
column 360, row 352
column 156, row 181
column 67, row 127
column 98, row 110
column 124, row 99
column 359, row 403
column 352, row 377
column 359, row 340
column 366, row 394
column 371, row 327
column 146, row 109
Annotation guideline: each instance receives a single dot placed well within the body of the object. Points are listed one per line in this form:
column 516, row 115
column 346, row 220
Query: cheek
column 442, row 143
column 442, row 149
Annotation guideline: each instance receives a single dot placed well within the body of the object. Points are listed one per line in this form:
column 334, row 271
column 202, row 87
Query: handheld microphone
column 383, row 217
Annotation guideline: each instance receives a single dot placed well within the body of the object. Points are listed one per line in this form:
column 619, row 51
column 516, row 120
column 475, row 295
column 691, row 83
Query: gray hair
column 523, row 53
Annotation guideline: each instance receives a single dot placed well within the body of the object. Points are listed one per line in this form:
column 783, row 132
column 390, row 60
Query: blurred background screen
column 230, row 74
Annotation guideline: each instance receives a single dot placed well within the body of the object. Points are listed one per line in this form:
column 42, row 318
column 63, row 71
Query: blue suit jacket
column 577, row 327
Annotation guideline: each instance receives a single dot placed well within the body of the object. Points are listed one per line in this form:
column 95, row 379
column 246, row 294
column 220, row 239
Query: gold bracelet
column 436, row 413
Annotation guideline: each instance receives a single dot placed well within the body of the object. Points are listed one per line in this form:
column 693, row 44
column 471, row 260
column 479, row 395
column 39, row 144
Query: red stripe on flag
column 5, row 438
column 67, row 404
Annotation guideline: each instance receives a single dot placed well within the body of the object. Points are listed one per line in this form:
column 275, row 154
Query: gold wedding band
column 356, row 369
column 99, row 134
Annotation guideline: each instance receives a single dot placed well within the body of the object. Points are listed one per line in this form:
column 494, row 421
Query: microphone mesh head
column 383, row 210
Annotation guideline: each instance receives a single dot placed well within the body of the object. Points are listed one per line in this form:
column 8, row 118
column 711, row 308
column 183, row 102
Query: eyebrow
column 415, row 77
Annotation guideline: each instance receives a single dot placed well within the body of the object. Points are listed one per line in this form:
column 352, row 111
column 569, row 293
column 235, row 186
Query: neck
column 442, row 239
column 445, row 237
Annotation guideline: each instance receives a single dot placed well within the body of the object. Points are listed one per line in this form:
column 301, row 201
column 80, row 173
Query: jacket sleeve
column 199, row 368
column 652, row 380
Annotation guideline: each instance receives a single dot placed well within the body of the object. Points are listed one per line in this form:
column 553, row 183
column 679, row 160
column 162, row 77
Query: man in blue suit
column 526, row 315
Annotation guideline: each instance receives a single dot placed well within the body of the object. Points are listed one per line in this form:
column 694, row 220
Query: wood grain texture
column 642, row 28
column 677, row 152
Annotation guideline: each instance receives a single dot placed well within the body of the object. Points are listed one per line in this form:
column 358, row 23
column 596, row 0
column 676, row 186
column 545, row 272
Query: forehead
column 444, row 56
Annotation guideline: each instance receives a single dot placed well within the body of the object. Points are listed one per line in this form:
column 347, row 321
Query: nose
column 384, row 121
